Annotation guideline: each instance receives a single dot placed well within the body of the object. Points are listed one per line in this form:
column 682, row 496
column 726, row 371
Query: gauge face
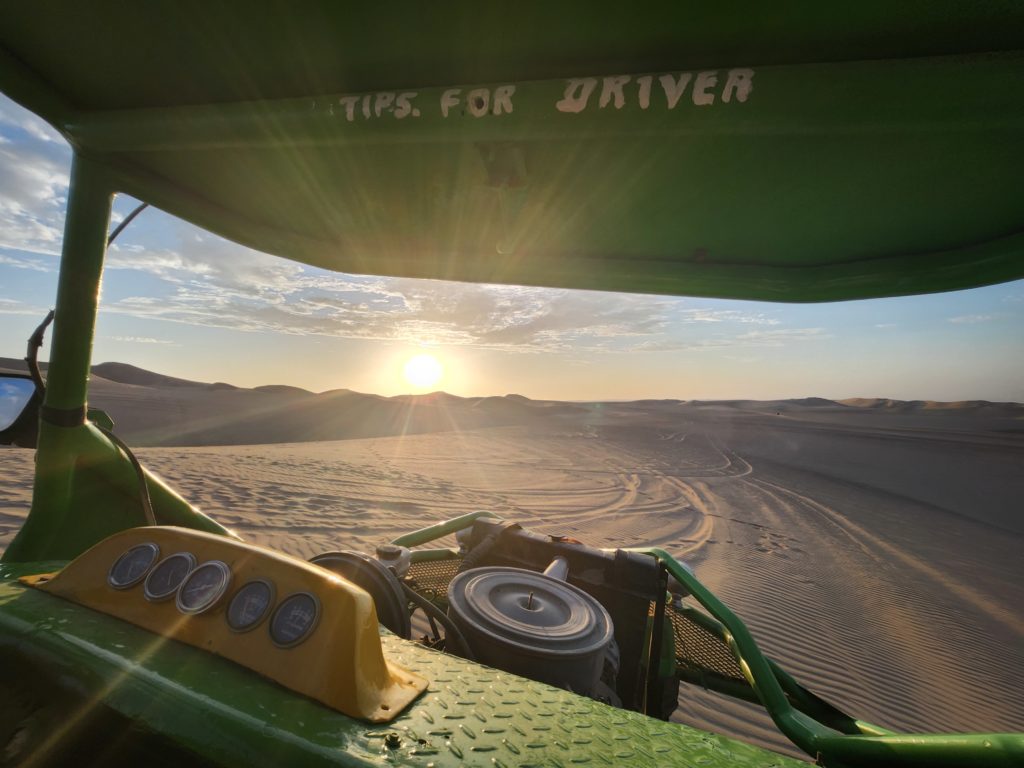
column 204, row 587
column 294, row 619
column 164, row 580
column 250, row 605
column 129, row 569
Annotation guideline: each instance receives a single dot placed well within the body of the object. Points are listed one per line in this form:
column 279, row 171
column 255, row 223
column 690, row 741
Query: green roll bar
column 439, row 530
column 869, row 745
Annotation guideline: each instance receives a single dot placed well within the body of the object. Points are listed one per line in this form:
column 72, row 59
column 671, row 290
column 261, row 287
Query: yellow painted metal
column 341, row 663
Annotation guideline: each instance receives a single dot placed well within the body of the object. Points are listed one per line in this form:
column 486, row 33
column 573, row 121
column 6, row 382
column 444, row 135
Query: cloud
column 971, row 319
column 780, row 337
column 213, row 282
column 882, row 326
column 144, row 340
column 166, row 264
column 726, row 315
column 34, row 163
column 15, row 307
column 506, row 317
column 30, row 264
column 210, row 281
column 13, row 116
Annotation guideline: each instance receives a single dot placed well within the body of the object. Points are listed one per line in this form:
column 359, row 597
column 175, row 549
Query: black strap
column 63, row 417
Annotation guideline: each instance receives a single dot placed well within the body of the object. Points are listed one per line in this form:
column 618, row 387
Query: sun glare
column 423, row 371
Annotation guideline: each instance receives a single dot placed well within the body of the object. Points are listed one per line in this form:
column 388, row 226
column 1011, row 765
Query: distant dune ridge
column 152, row 409
column 871, row 545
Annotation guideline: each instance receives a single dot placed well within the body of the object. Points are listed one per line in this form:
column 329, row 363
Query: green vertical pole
column 85, row 245
column 49, row 530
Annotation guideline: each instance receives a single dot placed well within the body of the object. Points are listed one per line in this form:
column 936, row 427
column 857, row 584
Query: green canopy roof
column 786, row 151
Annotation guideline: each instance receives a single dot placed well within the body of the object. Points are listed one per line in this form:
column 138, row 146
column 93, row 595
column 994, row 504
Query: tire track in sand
column 831, row 601
column 997, row 611
column 887, row 635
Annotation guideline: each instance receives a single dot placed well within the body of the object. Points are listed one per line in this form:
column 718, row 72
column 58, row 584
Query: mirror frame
column 25, row 428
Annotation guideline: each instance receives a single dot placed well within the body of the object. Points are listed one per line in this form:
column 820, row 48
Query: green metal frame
column 439, row 531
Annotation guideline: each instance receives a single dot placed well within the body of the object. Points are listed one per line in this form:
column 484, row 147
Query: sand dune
column 152, row 409
column 873, row 548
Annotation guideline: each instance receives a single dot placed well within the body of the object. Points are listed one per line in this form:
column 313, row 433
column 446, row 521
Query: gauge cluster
column 197, row 587
column 291, row 621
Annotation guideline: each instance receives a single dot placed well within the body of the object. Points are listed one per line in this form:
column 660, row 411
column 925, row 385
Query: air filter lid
column 529, row 611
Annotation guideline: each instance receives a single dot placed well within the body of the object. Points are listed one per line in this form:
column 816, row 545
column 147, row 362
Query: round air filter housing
column 532, row 625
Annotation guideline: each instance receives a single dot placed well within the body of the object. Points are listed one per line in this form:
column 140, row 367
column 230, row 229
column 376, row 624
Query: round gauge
column 164, row 580
column 294, row 619
column 250, row 605
column 129, row 569
column 204, row 587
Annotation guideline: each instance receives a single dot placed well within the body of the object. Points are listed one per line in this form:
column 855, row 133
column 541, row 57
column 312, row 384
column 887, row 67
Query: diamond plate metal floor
column 473, row 715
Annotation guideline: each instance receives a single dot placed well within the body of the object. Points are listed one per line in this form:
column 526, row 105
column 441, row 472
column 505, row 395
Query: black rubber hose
column 126, row 222
column 451, row 632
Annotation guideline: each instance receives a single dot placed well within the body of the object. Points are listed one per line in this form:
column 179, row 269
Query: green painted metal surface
column 470, row 715
column 792, row 152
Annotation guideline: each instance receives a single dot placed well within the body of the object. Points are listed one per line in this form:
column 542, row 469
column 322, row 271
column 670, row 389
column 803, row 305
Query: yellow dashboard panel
column 296, row 623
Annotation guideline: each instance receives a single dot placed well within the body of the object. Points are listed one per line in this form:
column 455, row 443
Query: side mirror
column 19, row 410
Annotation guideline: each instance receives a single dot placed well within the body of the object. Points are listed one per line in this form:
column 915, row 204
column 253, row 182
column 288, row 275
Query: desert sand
column 873, row 547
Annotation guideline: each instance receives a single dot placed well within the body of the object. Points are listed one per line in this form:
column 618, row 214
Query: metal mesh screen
column 699, row 651
column 431, row 579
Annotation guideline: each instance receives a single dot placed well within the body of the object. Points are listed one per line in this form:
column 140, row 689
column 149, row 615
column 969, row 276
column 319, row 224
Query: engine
column 548, row 608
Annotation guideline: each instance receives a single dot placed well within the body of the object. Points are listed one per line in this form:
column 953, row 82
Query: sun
column 423, row 371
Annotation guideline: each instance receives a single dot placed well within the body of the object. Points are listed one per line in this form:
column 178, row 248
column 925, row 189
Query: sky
column 183, row 302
